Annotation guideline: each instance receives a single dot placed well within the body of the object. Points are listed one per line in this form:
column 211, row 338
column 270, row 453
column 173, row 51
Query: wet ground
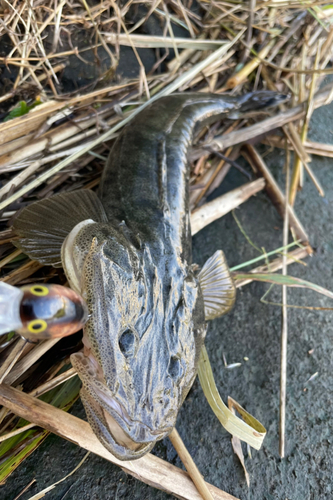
column 252, row 330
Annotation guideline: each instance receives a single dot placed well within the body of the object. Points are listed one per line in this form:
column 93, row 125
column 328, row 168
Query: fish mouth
column 123, row 436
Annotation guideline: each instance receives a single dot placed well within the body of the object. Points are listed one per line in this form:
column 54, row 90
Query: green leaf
column 16, row 456
column 22, row 109
column 10, row 335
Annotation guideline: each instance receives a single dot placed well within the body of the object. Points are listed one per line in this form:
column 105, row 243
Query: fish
column 128, row 251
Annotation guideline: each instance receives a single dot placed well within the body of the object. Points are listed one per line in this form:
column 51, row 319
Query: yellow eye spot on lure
column 37, row 326
column 41, row 311
column 39, row 290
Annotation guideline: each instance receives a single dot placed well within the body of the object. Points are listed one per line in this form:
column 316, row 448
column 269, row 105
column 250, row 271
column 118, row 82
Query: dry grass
column 62, row 142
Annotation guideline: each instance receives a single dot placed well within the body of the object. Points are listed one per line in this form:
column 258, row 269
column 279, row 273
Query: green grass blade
column 279, row 279
column 264, row 256
column 17, row 448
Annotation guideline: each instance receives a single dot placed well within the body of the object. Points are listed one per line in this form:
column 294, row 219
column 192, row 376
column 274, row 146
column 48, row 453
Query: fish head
column 142, row 340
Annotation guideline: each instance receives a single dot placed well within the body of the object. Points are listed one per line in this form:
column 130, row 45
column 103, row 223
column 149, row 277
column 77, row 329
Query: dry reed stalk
column 297, row 167
column 7, row 147
column 311, row 147
column 301, row 98
column 3, row 242
column 42, row 49
column 138, row 58
column 213, row 70
column 90, row 133
column 206, row 170
column 25, row 489
column 222, row 205
column 54, row 382
column 112, row 57
column 49, row 139
column 22, row 272
column 56, row 35
column 189, row 465
column 149, row 469
column 291, row 70
column 326, row 53
column 12, row 358
column 284, row 325
column 22, row 125
column 218, row 169
column 222, row 173
column 25, row 363
column 22, row 49
column 249, row 31
column 23, row 176
column 208, row 179
column 215, row 174
column 274, row 192
column 291, row 133
column 9, row 435
column 10, row 257
column 151, row 41
column 290, row 129
column 301, row 152
column 176, row 63
column 152, row 9
column 31, row 122
column 287, row 34
column 75, row 51
column 242, row 75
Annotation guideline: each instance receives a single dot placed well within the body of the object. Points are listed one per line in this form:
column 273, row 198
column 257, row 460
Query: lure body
column 41, row 311
column 129, row 253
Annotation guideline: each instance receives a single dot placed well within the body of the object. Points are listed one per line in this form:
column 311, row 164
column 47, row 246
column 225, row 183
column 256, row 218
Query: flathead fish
column 128, row 251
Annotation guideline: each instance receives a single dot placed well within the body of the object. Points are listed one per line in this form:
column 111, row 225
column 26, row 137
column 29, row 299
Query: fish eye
column 37, row 326
column 127, row 343
column 39, row 290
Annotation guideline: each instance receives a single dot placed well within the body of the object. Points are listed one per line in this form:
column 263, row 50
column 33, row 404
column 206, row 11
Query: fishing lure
column 128, row 252
column 41, row 311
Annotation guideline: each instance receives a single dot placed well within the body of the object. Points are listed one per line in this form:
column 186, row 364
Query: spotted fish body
column 129, row 254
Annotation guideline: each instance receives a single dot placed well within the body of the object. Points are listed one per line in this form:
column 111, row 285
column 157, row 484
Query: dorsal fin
column 44, row 225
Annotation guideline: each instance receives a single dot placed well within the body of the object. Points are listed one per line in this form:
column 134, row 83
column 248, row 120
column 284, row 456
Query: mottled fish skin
column 147, row 322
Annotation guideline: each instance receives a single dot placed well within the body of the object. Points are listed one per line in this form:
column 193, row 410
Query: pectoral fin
column 217, row 286
column 44, row 225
